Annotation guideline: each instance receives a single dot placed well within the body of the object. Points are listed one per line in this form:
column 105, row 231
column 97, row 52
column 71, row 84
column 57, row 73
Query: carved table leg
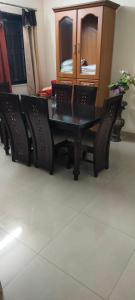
column 77, row 154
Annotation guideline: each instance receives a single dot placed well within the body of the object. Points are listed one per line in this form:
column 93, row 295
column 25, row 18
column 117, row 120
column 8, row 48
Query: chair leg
column 107, row 158
column 29, row 163
column 107, row 162
column 95, row 174
column 95, row 171
column 5, row 140
column 51, row 172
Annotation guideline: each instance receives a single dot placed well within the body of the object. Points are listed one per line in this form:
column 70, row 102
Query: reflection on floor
column 66, row 240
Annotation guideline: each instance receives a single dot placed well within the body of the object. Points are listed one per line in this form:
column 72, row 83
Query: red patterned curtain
column 4, row 64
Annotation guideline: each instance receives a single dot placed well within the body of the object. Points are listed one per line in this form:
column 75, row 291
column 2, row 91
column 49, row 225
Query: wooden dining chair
column 43, row 140
column 84, row 100
column 63, row 97
column 15, row 126
column 4, row 88
column 98, row 143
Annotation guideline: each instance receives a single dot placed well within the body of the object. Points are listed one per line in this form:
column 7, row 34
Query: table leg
column 77, row 154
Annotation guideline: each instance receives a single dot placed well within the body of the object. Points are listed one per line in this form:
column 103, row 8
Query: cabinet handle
column 78, row 46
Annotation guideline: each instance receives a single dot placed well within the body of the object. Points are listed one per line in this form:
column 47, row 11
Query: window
column 15, row 47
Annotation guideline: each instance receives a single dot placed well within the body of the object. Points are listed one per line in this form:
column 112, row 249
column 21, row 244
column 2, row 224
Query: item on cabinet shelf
column 67, row 66
column 84, row 44
column 88, row 70
column 84, row 62
column 121, row 86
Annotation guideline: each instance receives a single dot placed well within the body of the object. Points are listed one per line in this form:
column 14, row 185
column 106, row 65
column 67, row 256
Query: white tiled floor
column 66, row 240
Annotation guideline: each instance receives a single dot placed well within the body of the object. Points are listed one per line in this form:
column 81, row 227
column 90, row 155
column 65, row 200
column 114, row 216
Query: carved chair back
column 63, row 97
column 84, row 99
column 36, row 111
column 103, row 136
column 4, row 87
column 17, row 132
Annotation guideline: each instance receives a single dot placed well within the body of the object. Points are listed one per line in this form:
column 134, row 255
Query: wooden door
column 66, row 44
column 89, row 32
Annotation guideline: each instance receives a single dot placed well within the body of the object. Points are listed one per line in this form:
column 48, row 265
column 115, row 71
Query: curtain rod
column 18, row 6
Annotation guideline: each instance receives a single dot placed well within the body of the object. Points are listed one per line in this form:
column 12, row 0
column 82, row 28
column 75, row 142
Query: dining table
column 75, row 121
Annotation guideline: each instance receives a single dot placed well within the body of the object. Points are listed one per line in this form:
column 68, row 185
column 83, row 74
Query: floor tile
column 115, row 207
column 91, row 252
column 125, row 289
column 40, row 218
column 14, row 256
column 43, row 281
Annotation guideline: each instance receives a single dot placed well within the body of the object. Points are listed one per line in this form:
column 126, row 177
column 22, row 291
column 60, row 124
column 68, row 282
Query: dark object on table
column 98, row 144
column 62, row 94
column 17, row 133
column 119, row 124
column 44, row 143
column 84, row 99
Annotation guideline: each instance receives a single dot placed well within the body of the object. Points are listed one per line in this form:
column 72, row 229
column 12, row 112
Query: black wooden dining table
column 69, row 119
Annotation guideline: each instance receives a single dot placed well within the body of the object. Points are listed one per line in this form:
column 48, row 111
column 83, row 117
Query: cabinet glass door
column 66, row 44
column 89, row 42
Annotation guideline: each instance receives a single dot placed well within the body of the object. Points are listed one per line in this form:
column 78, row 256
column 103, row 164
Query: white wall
column 38, row 4
column 124, row 46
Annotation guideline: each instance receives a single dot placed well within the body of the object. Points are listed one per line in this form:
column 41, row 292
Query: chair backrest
column 36, row 111
column 84, row 99
column 4, row 87
column 17, row 131
column 63, row 97
column 102, row 142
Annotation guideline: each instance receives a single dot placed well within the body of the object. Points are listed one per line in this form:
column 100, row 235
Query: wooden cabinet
column 84, row 45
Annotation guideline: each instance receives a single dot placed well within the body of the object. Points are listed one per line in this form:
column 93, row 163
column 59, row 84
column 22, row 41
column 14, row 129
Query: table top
column 69, row 115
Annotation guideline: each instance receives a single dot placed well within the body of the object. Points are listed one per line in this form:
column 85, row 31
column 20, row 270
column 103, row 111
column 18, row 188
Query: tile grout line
column 50, row 242
column 71, row 276
column 19, row 273
column 112, row 227
column 109, row 297
column 59, row 233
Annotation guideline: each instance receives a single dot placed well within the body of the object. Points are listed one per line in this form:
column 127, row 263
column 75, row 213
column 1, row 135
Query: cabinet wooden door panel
column 84, row 45
column 89, row 35
column 66, row 44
